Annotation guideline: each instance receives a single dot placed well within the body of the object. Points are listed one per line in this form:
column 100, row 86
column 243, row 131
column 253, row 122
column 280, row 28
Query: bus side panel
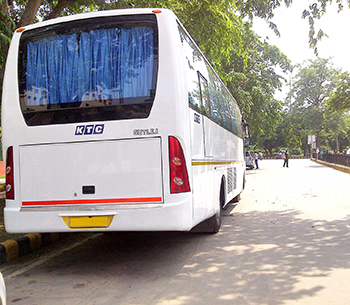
column 221, row 144
column 14, row 129
column 202, row 171
column 10, row 112
column 226, row 164
column 225, row 146
column 172, row 96
column 204, row 192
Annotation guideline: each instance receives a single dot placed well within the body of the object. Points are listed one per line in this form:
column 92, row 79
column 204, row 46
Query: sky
column 294, row 31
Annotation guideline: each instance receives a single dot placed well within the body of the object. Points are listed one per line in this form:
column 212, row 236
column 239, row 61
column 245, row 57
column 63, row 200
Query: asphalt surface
column 15, row 247
column 286, row 242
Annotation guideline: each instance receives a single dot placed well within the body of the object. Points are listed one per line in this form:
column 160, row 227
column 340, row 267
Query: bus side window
column 204, row 95
column 191, row 57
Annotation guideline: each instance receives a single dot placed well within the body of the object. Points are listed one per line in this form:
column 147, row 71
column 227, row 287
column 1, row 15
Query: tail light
column 10, row 191
column 178, row 170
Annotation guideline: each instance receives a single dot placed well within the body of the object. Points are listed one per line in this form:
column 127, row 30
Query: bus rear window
column 89, row 70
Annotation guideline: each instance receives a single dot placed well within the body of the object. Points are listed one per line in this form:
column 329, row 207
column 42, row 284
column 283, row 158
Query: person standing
column 260, row 156
column 256, row 157
column 285, row 159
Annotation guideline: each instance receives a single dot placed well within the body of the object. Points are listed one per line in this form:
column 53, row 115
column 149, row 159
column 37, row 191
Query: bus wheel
column 237, row 198
column 214, row 223
column 217, row 222
column 211, row 225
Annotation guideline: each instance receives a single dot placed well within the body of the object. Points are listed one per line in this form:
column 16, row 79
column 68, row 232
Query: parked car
column 249, row 160
column 2, row 291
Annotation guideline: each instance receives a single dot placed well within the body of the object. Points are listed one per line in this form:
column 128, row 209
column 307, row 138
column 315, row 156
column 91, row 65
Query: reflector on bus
column 10, row 190
column 178, row 171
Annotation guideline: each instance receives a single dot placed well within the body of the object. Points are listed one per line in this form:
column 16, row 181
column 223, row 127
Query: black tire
column 244, row 180
column 213, row 224
column 237, row 198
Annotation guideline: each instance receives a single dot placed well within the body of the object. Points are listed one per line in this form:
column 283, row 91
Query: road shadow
column 256, row 258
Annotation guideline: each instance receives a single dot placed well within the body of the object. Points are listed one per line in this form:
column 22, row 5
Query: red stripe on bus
column 93, row 201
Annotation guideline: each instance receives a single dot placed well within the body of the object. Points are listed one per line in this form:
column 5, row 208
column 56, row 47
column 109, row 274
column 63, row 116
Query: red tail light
column 10, row 191
column 178, row 170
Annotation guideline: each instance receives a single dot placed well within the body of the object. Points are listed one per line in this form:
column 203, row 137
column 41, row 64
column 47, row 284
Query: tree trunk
column 30, row 12
column 61, row 4
column 318, row 139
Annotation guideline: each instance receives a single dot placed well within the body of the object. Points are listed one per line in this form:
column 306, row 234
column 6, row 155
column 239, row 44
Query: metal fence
column 335, row 158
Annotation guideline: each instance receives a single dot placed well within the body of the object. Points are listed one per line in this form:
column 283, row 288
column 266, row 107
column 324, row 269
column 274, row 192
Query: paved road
column 287, row 242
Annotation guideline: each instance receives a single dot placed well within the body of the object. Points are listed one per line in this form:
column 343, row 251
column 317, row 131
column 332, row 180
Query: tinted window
column 205, row 97
column 89, row 70
column 206, row 92
column 193, row 59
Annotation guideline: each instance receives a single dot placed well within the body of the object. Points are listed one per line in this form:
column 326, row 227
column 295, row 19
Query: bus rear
column 90, row 125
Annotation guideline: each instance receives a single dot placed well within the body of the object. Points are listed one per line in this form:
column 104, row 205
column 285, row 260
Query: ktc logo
column 89, row 129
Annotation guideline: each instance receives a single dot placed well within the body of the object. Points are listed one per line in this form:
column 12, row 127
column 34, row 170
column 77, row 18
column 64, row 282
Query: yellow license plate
column 75, row 222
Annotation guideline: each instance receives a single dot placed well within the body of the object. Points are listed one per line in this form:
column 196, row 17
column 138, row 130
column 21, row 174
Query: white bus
column 115, row 121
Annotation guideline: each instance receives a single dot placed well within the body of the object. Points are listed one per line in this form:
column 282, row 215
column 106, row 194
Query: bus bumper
column 167, row 217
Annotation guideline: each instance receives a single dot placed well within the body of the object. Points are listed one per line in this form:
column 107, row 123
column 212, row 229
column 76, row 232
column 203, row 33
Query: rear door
column 101, row 172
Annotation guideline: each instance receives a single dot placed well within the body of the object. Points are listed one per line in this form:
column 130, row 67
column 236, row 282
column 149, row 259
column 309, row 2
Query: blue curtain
column 107, row 64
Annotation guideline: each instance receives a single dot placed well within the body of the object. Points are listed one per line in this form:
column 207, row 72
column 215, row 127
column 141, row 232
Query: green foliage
column 6, row 29
column 213, row 25
column 315, row 11
column 314, row 86
column 254, row 82
column 340, row 98
column 246, row 64
column 47, row 7
column 335, row 135
column 314, row 82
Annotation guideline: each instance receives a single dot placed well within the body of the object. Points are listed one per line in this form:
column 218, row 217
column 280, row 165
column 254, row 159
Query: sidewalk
column 13, row 246
column 338, row 167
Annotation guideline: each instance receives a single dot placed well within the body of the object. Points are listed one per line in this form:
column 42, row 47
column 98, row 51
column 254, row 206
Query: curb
column 12, row 249
column 274, row 158
column 338, row 167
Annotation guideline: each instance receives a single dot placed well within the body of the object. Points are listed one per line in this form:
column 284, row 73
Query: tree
column 313, row 84
column 6, row 29
column 311, row 112
column 253, row 82
column 315, row 11
column 223, row 18
column 225, row 40
column 340, row 99
column 335, row 135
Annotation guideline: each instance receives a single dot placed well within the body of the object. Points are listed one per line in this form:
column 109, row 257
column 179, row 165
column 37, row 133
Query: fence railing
column 334, row 158
column 277, row 156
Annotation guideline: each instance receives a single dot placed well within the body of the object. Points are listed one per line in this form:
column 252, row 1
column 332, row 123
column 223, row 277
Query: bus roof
column 118, row 12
